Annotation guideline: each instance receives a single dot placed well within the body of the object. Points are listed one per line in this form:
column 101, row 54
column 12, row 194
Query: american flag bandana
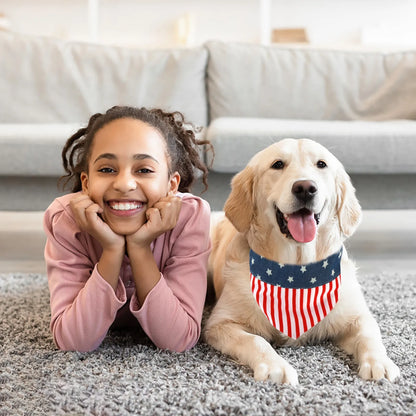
column 295, row 297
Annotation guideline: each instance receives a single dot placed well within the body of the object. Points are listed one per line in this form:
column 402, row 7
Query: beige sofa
column 361, row 105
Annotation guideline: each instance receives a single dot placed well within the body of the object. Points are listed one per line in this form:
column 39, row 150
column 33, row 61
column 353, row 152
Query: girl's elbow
column 186, row 342
column 184, row 346
column 75, row 348
column 69, row 343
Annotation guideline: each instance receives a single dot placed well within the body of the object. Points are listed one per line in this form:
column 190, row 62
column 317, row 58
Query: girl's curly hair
column 181, row 143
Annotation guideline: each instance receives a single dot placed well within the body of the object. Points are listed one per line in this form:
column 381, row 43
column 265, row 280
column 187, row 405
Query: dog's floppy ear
column 239, row 205
column 348, row 207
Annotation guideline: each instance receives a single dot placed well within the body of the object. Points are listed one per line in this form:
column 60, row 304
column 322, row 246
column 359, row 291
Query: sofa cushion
column 362, row 146
column 33, row 149
column 43, row 80
column 247, row 80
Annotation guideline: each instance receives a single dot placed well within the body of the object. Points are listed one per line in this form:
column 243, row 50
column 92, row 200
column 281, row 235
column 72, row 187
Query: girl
column 129, row 244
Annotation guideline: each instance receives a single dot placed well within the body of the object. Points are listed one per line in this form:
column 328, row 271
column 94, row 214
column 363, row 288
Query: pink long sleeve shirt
column 84, row 305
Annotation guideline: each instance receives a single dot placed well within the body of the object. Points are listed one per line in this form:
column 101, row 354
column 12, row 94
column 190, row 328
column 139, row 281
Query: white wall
column 154, row 23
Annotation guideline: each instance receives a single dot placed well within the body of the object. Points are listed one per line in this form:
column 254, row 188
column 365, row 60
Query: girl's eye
column 145, row 170
column 279, row 164
column 321, row 164
column 106, row 170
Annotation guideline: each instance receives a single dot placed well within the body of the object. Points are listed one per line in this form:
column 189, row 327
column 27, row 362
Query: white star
column 252, row 261
column 290, row 279
column 269, row 272
column 281, row 265
column 303, row 269
column 333, row 272
column 313, row 280
column 258, row 277
column 325, row 264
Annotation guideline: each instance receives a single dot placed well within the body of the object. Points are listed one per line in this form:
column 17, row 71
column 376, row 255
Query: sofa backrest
column 44, row 80
column 311, row 84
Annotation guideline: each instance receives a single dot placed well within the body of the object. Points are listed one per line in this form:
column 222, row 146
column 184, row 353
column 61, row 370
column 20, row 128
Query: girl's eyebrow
column 141, row 156
column 138, row 156
column 106, row 156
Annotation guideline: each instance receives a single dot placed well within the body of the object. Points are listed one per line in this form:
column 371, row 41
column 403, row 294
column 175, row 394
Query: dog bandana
column 295, row 297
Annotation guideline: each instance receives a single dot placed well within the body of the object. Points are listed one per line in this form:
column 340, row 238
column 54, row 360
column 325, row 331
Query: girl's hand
column 86, row 213
column 162, row 217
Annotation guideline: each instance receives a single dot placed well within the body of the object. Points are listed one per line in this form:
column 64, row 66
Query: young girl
column 129, row 244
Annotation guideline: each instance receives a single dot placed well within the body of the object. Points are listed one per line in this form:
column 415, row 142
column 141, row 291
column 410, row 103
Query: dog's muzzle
column 300, row 225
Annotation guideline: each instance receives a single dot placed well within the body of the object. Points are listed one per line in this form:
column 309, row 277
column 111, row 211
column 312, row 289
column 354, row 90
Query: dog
column 280, row 271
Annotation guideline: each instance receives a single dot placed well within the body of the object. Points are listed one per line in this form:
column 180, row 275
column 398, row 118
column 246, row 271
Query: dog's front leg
column 363, row 341
column 252, row 350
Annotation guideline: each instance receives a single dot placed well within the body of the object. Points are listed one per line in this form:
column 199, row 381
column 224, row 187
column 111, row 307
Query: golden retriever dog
column 281, row 273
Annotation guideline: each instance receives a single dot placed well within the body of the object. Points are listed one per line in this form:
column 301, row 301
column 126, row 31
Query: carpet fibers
column 127, row 375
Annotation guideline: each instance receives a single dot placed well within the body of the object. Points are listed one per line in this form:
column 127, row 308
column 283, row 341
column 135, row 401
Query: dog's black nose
column 304, row 190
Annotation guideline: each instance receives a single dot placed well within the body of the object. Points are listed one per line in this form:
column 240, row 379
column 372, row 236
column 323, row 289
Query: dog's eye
column 279, row 164
column 321, row 164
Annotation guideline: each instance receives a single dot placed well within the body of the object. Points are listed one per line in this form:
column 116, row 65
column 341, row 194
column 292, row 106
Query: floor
column 385, row 241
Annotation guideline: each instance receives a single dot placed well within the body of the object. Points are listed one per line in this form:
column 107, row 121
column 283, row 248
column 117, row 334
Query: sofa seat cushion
column 362, row 146
column 33, row 149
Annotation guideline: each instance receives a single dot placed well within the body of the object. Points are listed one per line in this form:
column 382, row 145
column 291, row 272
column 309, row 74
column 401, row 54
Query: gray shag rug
column 127, row 375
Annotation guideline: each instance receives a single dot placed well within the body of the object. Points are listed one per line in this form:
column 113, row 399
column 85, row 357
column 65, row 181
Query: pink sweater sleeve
column 172, row 312
column 83, row 304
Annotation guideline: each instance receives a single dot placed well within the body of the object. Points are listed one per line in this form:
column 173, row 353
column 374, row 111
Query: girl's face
column 128, row 173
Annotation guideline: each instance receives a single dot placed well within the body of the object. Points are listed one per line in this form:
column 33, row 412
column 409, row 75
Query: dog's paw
column 278, row 370
column 376, row 368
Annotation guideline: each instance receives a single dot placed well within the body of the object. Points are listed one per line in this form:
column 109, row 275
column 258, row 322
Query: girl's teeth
column 125, row 206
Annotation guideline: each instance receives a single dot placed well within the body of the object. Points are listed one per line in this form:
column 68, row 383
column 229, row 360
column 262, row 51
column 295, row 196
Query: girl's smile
column 125, row 205
column 128, row 172
column 125, row 208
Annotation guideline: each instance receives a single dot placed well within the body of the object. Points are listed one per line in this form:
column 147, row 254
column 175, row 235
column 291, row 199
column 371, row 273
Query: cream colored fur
column 237, row 326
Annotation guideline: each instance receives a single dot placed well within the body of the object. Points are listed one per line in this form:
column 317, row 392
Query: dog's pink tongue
column 302, row 226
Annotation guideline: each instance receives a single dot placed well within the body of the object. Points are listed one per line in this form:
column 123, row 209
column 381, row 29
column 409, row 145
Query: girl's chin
column 125, row 226
column 124, row 229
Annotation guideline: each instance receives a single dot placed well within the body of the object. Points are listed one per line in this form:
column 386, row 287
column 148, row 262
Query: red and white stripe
column 294, row 311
